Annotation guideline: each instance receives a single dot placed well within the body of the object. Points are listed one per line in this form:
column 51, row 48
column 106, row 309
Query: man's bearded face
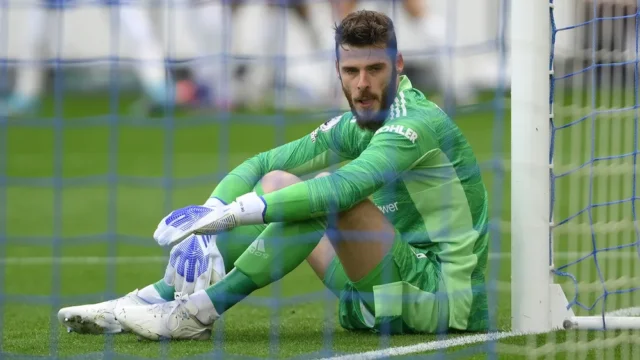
column 369, row 82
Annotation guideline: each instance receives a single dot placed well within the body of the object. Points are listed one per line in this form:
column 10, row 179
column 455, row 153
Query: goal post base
column 563, row 317
column 559, row 307
column 602, row 323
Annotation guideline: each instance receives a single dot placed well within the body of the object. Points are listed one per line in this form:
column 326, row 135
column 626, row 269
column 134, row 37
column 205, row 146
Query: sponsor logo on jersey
column 399, row 129
column 389, row 208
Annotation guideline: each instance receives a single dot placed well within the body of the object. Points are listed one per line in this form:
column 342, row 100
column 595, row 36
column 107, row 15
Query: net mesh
column 594, row 152
column 85, row 177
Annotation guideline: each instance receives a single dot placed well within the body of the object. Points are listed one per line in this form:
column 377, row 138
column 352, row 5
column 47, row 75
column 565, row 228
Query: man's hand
column 176, row 226
column 182, row 223
column 194, row 264
column 204, row 220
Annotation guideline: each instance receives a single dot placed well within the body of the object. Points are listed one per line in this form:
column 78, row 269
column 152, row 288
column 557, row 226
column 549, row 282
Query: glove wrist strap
column 249, row 209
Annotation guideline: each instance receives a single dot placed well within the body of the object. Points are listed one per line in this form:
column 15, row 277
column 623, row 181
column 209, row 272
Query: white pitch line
column 429, row 346
column 627, row 312
column 375, row 354
column 456, row 341
column 574, row 255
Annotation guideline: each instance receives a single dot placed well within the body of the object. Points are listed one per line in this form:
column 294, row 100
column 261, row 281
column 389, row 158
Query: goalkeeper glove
column 248, row 209
column 194, row 264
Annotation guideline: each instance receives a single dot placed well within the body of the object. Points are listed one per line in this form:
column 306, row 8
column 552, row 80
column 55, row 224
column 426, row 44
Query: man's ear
column 338, row 69
column 399, row 63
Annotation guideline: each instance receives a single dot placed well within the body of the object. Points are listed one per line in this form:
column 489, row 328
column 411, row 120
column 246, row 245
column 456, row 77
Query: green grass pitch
column 39, row 276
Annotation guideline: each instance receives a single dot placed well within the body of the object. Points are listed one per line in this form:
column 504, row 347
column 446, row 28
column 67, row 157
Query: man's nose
column 363, row 80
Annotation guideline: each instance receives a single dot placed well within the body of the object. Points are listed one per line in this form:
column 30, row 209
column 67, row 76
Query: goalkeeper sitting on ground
column 399, row 233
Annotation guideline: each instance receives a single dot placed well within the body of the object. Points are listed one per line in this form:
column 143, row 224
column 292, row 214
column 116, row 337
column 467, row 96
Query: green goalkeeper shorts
column 403, row 294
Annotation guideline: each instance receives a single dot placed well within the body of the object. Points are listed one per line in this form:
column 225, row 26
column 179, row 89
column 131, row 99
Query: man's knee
column 277, row 180
column 365, row 208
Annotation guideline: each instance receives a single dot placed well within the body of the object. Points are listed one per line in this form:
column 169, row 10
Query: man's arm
column 392, row 151
column 316, row 151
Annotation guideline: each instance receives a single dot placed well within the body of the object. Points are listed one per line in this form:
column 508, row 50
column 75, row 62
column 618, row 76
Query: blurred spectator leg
column 211, row 85
column 434, row 31
column 30, row 74
column 156, row 80
column 342, row 8
column 305, row 89
column 314, row 29
column 265, row 42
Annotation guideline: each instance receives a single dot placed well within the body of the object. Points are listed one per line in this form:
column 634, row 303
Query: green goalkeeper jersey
column 417, row 168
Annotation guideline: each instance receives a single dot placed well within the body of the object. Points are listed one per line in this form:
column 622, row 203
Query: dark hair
column 366, row 28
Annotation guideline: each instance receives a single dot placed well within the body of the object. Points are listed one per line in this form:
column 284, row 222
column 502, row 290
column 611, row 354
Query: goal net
column 578, row 212
column 86, row 174
column 95, row 169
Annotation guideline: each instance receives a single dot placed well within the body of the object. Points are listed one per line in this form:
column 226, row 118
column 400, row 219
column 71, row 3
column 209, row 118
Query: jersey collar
column 404, row 84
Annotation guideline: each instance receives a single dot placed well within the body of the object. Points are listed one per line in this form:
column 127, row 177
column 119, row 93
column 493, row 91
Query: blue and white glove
column 248, row 209
column 194, row 264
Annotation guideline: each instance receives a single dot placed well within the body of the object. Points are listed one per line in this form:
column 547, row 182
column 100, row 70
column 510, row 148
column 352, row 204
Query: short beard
column 370, row 120
column 373, row 120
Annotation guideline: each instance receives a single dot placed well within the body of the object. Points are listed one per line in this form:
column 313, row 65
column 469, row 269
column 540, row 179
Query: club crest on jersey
column 399, row 129
column 314, row 135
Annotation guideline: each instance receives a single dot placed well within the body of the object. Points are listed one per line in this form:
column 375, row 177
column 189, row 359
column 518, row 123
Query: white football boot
column 98, row 318
column 171, row 320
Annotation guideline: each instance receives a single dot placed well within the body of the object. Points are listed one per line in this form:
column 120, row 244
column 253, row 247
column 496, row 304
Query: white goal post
column 537, row 303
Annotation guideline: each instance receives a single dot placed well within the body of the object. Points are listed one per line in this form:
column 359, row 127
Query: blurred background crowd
column 233, row 54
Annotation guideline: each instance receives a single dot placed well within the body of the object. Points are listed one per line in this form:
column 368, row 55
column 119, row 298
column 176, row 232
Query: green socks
column 230, row 290
column 276, row 252
column 165, row 291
